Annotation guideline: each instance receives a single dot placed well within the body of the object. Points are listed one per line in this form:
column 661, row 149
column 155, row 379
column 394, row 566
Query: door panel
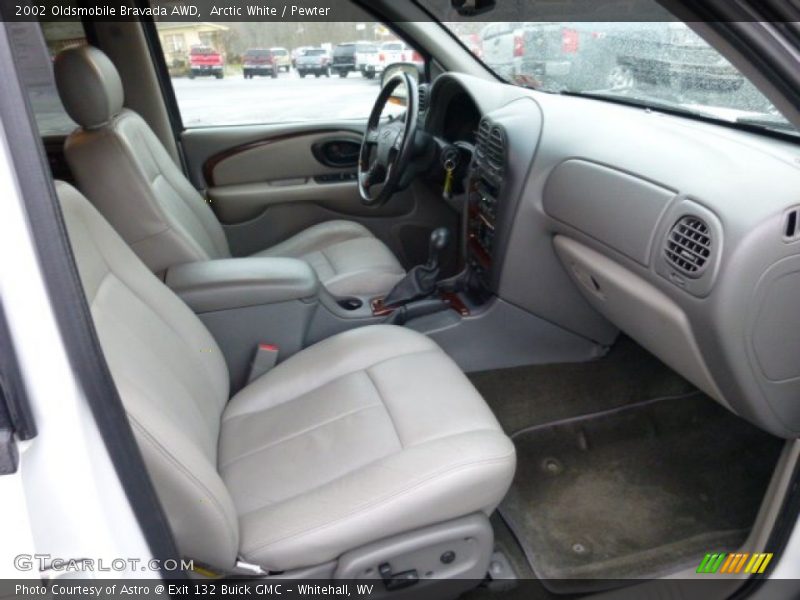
column 200, row 144
column 284, row 219
column 281, row 157
column 267, row 183
column 237, row 203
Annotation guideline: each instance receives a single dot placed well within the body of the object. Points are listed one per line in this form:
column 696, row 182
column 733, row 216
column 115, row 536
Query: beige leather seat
column 363, row 436
column 123, row 168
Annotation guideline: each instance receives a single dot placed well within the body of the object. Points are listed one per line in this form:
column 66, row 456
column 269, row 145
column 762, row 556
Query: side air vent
column 791, row 225
column 490, row 150
column 423, row 97
column 688, row 247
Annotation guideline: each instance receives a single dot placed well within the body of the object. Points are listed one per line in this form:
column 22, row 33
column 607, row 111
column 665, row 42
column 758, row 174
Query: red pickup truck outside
column 204, row 60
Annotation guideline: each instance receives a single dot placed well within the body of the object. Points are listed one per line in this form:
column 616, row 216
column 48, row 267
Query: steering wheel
column 387, row 147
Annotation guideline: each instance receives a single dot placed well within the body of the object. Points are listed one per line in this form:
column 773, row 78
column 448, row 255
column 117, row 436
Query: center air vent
column 484, row 129
column 490, row 150
column 422, row 94
column 688, row 246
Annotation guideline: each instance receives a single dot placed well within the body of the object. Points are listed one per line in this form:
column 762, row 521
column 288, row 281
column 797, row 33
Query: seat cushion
column 348, row 259
column 370, row 433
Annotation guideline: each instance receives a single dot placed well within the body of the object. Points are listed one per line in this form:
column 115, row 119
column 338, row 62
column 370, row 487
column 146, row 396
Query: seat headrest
column 89, row 86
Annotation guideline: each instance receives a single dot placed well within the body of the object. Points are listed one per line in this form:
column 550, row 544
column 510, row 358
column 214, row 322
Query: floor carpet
column 531, row 395
column 635, row 491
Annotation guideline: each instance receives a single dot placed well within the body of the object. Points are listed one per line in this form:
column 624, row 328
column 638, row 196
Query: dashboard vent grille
column 688, row 246
column 484, row 128
column 496, row 148
column 490, row 150
column 423, row 97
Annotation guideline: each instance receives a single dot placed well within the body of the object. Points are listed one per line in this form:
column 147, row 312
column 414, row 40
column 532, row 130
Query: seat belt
column 266, row 356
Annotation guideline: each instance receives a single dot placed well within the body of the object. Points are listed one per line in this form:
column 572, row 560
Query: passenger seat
column 369, row 448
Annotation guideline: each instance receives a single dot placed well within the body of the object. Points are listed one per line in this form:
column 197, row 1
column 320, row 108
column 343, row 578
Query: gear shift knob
column 420, row 282
column 440, row 237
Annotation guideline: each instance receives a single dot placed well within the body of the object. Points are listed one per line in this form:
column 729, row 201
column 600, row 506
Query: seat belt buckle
column 265, row 358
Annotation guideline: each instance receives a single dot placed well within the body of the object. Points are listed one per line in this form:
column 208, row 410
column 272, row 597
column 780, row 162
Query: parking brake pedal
column 397, row 581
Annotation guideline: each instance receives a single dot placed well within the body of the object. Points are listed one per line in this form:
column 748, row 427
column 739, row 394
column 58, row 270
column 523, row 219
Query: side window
column 35, row 46
column 256, row 72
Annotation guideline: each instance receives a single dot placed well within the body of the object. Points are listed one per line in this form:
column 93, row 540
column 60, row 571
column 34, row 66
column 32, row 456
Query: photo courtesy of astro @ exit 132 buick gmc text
column 413, row 299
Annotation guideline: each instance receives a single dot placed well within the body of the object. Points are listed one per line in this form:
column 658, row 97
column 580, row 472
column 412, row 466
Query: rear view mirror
column 472, row 8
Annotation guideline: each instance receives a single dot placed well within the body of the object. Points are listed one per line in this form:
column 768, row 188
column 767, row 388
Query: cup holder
column 350, row 303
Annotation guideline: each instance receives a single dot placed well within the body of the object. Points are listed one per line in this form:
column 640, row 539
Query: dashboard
column 603, row 218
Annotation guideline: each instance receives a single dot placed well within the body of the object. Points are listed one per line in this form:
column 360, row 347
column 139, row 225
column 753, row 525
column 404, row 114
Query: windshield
column 664, row 65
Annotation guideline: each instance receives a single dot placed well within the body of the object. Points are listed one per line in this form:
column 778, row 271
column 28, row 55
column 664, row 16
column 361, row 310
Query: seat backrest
column 171, row 376
column 126, row 172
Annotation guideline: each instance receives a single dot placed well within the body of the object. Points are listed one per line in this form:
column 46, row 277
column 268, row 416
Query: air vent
column 490, row 150
column 688, row 246
column 423, row 97
column 791, row 225
column 484, row 129
column 496, row 148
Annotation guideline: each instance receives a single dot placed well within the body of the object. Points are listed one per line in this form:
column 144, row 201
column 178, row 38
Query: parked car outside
column 596, row 55
column 398, row 52
column 259, row 61
column 206, row 61
column 357, row 56
column 282, row 58
column 473, row 42
column 315, row 61
column 298, row 52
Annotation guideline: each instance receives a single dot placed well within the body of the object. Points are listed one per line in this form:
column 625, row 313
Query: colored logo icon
column 739, row 562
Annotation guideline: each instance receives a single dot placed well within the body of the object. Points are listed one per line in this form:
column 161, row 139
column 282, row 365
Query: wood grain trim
column 478, row 252
column 212, row 161
column 379, row 309
column 455, row 302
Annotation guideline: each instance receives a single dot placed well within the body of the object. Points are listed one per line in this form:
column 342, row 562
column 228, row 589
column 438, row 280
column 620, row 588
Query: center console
column 475, row 285
column 483, row 203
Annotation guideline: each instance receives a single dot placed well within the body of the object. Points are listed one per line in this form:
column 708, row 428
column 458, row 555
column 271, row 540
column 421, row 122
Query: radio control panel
column 481, row 226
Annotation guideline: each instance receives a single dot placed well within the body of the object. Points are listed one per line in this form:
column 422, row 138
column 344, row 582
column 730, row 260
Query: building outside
column 177, row 39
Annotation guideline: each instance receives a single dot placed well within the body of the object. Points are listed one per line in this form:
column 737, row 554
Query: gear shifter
column 420, row 282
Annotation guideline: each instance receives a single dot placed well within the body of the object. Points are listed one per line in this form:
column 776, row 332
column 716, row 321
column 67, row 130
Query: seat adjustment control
column 397, row 581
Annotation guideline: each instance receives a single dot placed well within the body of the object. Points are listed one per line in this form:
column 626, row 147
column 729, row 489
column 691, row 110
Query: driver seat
column 126, row 172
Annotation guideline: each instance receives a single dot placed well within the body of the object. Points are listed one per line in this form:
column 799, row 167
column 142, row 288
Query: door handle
column 337, row 154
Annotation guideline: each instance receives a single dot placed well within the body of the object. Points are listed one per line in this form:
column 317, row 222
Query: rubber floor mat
column 636, row 492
